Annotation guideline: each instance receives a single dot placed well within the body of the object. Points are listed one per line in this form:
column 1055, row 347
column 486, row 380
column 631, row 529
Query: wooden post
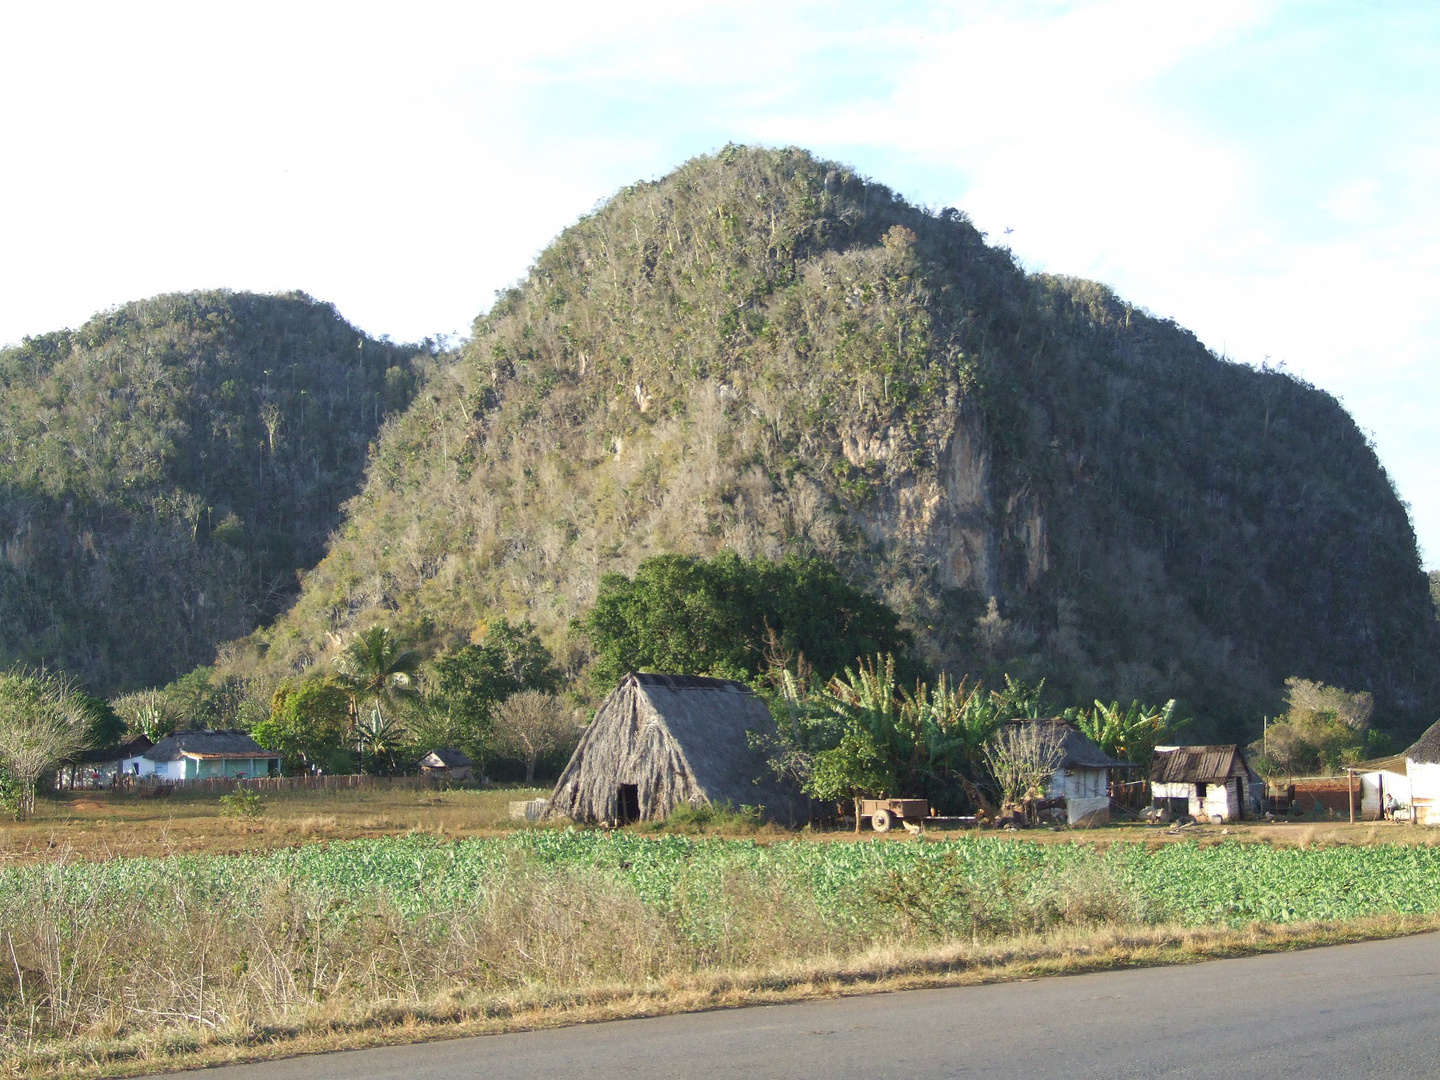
column 1351, row 793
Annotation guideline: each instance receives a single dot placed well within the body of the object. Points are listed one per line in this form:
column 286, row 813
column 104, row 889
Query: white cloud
column 1252, row 169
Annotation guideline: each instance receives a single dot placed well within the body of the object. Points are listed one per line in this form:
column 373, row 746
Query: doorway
column 629, row 803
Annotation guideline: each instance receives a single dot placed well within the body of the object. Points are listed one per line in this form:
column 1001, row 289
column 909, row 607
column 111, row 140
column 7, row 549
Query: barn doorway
column 629, row 803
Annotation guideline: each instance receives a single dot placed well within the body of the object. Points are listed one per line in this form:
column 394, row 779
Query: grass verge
column 880, row 970
column 135, row 965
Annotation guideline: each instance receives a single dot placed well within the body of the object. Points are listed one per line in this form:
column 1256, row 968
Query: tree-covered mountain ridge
column 168, row 467
column 766, row 353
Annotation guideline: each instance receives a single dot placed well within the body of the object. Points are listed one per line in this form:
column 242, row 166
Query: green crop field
column 1186, row 883
column 142, row 959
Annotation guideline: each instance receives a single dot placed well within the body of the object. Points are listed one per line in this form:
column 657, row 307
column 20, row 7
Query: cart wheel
column 881, row 820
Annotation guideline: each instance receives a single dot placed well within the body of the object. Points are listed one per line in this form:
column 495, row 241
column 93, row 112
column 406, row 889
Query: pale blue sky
column 1265, row 173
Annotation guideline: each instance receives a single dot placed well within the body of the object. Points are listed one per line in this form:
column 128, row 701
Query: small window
column 1200, row 790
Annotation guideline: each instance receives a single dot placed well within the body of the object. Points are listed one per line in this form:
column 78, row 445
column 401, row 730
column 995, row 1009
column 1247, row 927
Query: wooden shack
column 447, row 763
column 661, row 740
column 1205, row 783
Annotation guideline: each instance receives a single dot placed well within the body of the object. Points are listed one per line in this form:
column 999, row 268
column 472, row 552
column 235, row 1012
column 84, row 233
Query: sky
column 1265, row 173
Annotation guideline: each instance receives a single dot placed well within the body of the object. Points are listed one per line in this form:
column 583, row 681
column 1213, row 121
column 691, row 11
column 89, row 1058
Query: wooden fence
column 227, row 784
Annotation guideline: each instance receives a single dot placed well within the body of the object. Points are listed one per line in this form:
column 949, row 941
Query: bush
column 242, row 803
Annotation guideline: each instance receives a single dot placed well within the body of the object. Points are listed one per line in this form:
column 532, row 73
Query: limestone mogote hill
column 765, row 352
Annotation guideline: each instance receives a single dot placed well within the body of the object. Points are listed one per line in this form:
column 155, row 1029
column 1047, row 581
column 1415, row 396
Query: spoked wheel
column 881, row 820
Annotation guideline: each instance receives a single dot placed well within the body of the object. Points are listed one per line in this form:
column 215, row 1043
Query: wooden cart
column 883, row 813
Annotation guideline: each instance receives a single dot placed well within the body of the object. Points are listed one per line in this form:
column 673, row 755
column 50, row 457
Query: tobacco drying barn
column 661, row 740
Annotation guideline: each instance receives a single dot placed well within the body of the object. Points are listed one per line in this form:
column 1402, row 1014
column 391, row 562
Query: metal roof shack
column 1205, row 782
column 1194, row 764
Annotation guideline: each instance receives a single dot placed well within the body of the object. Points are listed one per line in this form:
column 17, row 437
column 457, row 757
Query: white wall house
column 1411, row 778
column 1205, row 782
column 1379, row 782
column 201, row 755
column 1083, row 776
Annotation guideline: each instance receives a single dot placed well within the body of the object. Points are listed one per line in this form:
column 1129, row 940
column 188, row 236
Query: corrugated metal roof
column 1394, row 763
column 1193, row 764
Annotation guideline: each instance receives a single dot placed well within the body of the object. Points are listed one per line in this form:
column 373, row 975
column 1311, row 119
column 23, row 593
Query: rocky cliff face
column 166, row 469
column 764, row 352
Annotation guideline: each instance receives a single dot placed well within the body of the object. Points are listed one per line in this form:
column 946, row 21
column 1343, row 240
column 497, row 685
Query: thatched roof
column 446, row 757
column 1077, row 750
column 1391, row 763
column 207, row 744
column 675, row 738
column 1426, row 749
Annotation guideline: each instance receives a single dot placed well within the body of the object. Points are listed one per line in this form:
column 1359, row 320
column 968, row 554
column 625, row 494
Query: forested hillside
column 168, row 467
column 763, row 352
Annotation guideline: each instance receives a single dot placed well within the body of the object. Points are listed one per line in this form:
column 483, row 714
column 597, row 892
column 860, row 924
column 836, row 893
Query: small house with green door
column 202, row 755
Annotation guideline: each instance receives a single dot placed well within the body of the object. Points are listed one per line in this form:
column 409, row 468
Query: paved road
column 1369, row 1010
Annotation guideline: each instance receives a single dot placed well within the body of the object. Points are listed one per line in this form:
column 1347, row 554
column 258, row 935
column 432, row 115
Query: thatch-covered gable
column 1426, row 749
column 661, row 740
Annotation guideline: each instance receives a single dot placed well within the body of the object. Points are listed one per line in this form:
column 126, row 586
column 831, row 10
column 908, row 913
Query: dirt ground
column 101, row 825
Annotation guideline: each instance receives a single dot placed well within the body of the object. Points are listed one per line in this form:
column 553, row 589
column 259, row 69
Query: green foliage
column 152, row 713
column 166, row 469
column 1223, row 883
column 376, row 671
column 308, row 726
column 43, row 722
column 382, row 743
column 707, row 818
column 209, row 699
column 1323, row 729
column 767, row 354
column 12, row 793
column 103, row 725
column 472, row 681
column 856, row 767
column 691, row 616
column 932, row 741
column 1130, row 734
column 242, row 803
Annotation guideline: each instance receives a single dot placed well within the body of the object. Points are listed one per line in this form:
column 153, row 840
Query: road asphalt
column 1370, row 1010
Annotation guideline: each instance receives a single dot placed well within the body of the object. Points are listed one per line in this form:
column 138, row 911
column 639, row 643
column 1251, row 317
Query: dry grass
column 112, row 1050
column 99, row 825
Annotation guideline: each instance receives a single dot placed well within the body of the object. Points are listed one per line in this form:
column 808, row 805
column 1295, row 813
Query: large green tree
column 473, row 681
column 687, row 615
column 308, row 725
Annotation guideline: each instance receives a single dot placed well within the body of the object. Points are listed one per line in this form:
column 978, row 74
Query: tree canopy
column 692, row 616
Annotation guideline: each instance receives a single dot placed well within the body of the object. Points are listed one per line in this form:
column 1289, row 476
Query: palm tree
column 378, row 737
column 375, row 670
